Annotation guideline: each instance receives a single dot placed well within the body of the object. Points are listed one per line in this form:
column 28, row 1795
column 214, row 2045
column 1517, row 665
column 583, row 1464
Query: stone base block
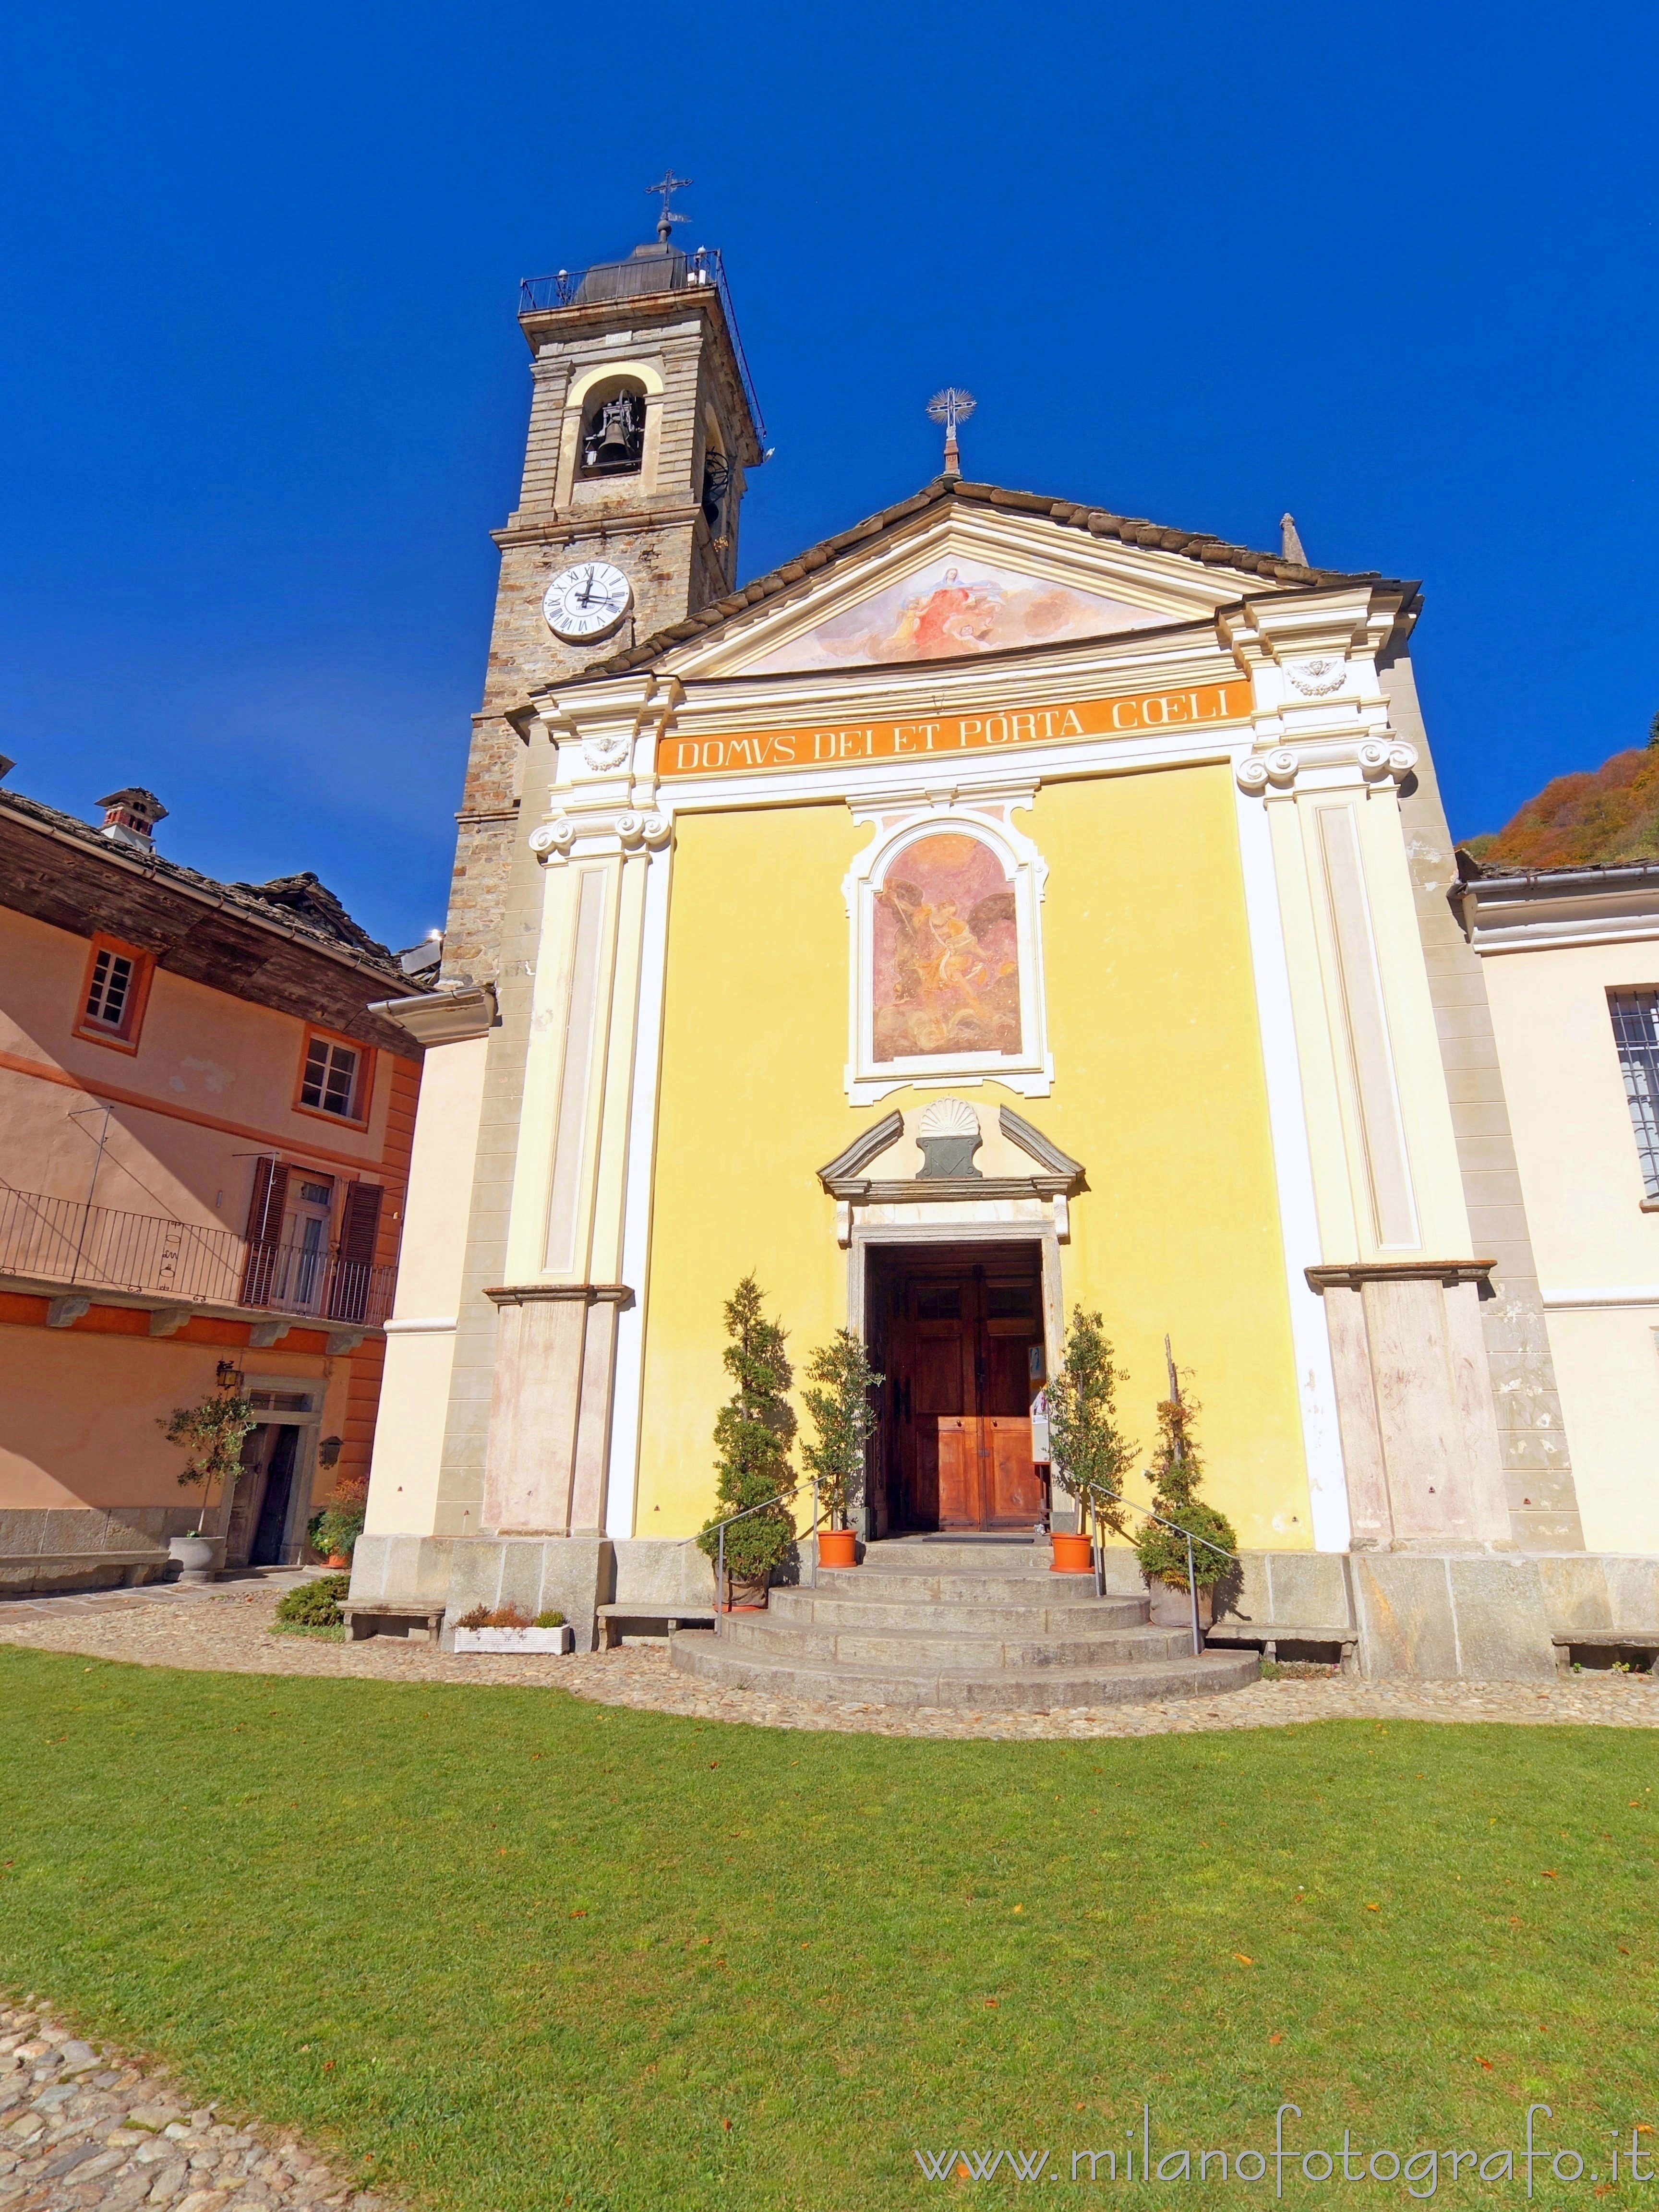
column 571, row 1575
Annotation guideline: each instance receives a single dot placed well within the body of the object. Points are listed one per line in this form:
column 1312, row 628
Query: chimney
column 130, row 818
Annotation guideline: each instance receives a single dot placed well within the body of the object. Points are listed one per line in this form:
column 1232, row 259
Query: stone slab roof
column 290, row 943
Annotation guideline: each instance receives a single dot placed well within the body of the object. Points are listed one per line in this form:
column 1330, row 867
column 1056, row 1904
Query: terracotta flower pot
column 746, row 1595
column 336, row 1560
column 1074, row 1555
column 838, row 1547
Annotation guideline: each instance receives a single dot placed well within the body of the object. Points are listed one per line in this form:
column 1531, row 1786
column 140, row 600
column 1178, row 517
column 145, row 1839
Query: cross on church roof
column 668, row 185
column 950, row 407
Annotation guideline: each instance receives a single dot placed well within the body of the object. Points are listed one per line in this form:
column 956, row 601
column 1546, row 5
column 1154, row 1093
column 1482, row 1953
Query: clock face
column 585, row 601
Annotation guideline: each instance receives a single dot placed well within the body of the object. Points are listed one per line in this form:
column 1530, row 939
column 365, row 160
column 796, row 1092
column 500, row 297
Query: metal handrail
column 1117, row 1497
column 783, row 1496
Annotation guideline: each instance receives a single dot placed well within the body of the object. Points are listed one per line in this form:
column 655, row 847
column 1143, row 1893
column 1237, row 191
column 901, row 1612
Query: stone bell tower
column 642, row 424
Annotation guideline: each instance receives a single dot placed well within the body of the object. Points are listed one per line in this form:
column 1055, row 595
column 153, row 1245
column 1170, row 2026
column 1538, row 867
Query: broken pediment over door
column 953, row 1161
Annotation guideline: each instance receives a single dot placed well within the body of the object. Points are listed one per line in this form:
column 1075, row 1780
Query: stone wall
column 87, row 1547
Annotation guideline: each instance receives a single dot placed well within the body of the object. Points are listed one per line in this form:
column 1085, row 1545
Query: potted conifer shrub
column 212, row 1432
column 1090, row 1453
column 845, row 1420
column 753, row 1433
column 1175, row 1476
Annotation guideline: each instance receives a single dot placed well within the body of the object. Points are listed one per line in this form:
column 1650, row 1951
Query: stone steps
column 1038, row 1690
column 977, row 1624
column 890, row 1584
column 823, row 1608
column 925, row 1644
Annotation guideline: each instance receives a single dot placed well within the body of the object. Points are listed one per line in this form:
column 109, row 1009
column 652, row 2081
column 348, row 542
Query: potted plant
column 510, row 1628
column 845, row 1421
column 753, row 1433
column 1176, row 1475
column 1091, row 1454
column 213, row 1433
column 335, row 1530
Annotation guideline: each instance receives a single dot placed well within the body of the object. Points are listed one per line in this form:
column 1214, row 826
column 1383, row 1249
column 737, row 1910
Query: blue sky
column 264, row 392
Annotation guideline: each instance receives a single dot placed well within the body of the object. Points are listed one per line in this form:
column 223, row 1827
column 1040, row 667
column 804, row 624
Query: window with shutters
column 334, row 1075
column 114, row 993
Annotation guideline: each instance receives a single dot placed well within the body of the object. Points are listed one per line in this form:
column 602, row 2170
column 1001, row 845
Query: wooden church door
column 959, row 1425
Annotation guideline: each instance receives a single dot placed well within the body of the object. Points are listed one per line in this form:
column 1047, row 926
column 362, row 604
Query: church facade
column 1004, row 907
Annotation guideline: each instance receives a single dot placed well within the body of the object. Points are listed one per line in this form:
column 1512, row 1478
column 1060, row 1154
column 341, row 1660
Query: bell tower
column 642, row 424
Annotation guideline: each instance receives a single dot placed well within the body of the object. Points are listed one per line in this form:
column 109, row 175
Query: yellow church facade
column 1005, row 907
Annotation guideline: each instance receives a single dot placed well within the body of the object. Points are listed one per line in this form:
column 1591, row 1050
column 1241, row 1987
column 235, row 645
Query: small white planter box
column 516, row 1639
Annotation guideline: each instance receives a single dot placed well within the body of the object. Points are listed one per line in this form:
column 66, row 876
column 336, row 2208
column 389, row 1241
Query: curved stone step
column 806, row 1607
column 715, row 1660
column 1039, row 1586
column 920, row 1642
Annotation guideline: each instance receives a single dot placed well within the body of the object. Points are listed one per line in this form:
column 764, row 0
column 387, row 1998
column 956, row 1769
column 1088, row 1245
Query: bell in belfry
column 614, row 442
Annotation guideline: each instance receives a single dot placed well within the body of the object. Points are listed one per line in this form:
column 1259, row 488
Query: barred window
column 330, row 1083
column 1636, row 1030
column 109, row 988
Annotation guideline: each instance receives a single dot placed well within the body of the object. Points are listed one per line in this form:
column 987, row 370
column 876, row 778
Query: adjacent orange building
column 207, row 1125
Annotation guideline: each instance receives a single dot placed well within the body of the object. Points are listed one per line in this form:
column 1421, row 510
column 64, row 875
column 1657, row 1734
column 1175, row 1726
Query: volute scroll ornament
column 1386, row 757
column 1276, row 767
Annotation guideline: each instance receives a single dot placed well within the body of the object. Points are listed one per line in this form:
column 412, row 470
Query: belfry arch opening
column 613, row 427
column 958, row 1331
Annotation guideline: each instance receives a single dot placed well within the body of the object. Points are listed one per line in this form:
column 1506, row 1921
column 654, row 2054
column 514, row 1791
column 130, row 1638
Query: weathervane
column 951, row 407
column 669, row 185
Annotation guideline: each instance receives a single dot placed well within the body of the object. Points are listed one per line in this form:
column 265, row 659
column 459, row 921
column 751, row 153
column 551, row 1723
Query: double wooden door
column 958, row 1394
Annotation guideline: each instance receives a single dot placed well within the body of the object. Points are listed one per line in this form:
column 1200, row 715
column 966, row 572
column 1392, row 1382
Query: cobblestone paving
column 82, row 2131
column 230, row 1631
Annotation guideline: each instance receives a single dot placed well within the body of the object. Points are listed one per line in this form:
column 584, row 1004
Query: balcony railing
column 95, row 1247
column 650, row 271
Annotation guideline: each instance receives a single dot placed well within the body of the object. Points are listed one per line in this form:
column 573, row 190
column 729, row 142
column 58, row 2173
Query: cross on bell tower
column 668, row 185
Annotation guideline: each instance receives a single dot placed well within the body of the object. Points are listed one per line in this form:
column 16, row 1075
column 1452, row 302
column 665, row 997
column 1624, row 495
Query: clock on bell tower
column 642, row 425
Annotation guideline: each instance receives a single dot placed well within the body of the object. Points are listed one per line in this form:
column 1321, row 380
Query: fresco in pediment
column 954, row 607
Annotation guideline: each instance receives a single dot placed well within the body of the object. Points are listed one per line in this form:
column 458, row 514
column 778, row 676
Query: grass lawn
column 505, row 1949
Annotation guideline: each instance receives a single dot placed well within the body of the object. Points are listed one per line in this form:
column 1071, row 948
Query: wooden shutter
column 265, row 1230
column 354, row 1261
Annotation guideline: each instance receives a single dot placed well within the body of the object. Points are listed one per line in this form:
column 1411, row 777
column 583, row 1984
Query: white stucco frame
column 900, row 821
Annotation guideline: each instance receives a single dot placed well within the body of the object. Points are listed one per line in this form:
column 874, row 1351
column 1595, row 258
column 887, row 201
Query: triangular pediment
column 961, row 579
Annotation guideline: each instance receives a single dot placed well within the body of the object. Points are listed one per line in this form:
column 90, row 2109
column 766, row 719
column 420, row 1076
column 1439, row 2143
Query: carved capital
column 601, row 829
column 1377, row 763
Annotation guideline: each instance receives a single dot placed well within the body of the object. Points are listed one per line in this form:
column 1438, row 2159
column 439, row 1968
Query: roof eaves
column 1128, row 529
column 69, row 828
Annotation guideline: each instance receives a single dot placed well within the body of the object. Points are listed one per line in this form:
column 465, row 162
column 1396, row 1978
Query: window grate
column 331, row 1078
column 112, row 987
column 1636, row 1030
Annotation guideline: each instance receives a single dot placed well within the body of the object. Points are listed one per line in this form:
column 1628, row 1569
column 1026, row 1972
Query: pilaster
column 547, row 1457
column 1401, row 1276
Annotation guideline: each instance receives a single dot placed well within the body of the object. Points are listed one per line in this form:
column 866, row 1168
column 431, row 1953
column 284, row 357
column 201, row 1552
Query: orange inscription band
column 952, row 733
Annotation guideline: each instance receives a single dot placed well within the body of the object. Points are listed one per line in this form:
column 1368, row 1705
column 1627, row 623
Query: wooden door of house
column 245, row 1507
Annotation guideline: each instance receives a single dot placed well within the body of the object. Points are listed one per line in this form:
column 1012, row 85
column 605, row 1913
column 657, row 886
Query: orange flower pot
column 838, row 1547
column 336, row 1560
column 1074, row 1555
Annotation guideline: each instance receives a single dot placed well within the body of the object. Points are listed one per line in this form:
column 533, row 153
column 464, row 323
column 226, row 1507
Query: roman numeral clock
column 586, row 601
